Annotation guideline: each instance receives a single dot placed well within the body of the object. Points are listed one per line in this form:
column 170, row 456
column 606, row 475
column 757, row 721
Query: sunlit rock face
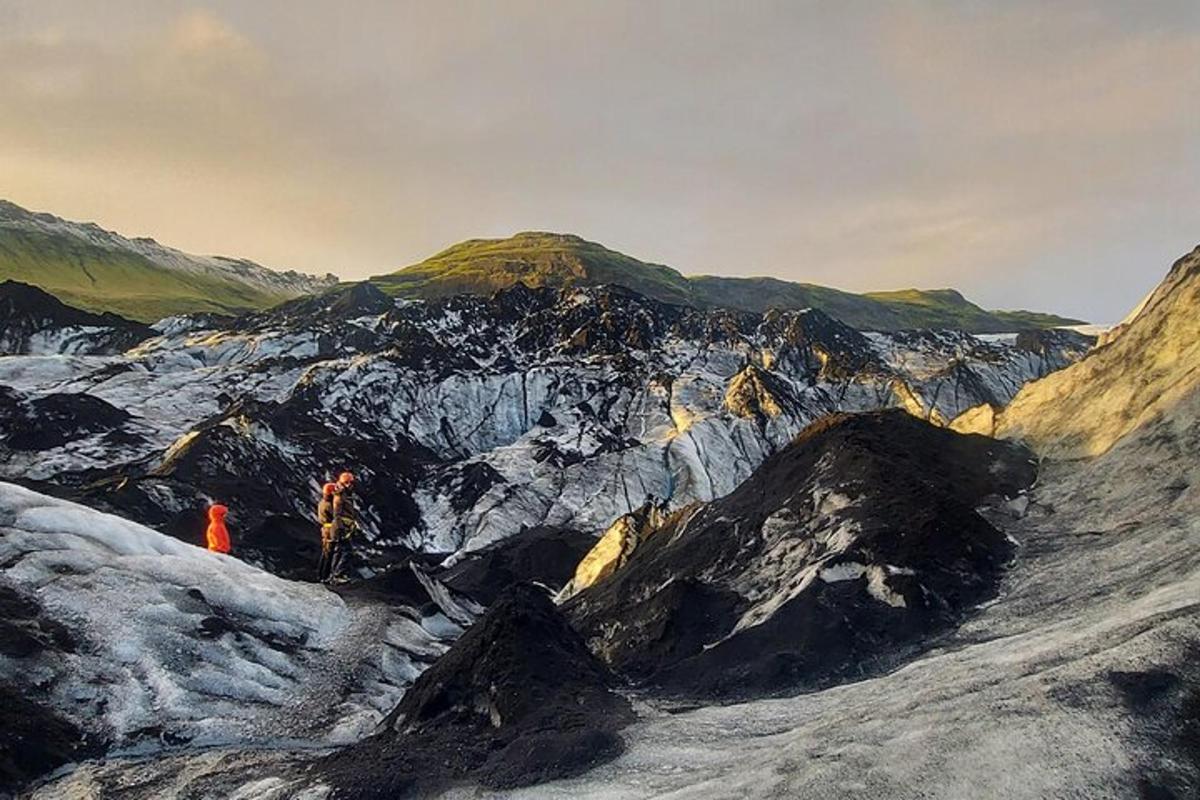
column 1146, row 367
column 471, row 419
column 615, row 548
column 976, row 419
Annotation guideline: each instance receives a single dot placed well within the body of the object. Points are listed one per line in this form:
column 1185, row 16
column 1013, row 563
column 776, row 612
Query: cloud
column 201, row 31
column 192, row 93
column 1059, row 70
column 182, row 130
column 1024, row 152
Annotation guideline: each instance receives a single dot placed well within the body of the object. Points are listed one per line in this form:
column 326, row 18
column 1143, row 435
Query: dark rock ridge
column 547, row 556
column 35, row 740
column 35, row 322
column 32, row 424
column 517, row 700
column 837, row 558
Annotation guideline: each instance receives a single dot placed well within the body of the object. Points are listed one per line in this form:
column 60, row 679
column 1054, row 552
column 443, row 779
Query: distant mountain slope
column 481, row 266
column 1139, row 374
column 33, row 322
column 98, row 270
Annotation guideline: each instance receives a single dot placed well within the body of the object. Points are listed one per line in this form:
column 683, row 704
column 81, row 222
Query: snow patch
column 191, row 643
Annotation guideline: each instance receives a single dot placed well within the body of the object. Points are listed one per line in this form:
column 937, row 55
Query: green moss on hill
column 482, row 266
column 100, row 279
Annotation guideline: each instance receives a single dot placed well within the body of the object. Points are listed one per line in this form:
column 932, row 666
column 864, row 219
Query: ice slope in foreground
column 163, row 642
column 1076, row 682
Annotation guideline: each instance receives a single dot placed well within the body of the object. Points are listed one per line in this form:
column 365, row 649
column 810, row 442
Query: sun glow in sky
column 1038, row 155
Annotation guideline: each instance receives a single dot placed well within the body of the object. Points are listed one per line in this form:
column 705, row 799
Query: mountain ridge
column 539, row 258
column 802, row 572
column 98, row 270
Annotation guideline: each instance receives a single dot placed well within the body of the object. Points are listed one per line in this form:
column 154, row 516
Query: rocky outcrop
column 838, row 557
column 979, row 419
column 517, row 700
column 615, row 548
column 33, row 322
column 756, row 395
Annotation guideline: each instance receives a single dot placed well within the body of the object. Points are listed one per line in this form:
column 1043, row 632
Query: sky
column 1033, row 155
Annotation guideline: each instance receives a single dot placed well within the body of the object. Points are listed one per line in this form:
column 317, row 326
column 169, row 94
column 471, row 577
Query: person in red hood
column 217, row 534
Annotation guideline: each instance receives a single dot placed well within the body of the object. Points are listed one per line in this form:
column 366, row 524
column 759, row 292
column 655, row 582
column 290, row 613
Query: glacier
column 529, row 409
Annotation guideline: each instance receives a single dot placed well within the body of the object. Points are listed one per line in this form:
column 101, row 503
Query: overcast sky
column 1041, row 155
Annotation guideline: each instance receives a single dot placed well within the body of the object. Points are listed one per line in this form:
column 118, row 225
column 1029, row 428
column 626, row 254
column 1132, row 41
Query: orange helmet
column 217, row 511
column 346, row 478
column 328, row 489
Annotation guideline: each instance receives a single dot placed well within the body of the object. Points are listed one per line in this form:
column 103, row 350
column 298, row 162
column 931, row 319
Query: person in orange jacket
column 217, row 534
